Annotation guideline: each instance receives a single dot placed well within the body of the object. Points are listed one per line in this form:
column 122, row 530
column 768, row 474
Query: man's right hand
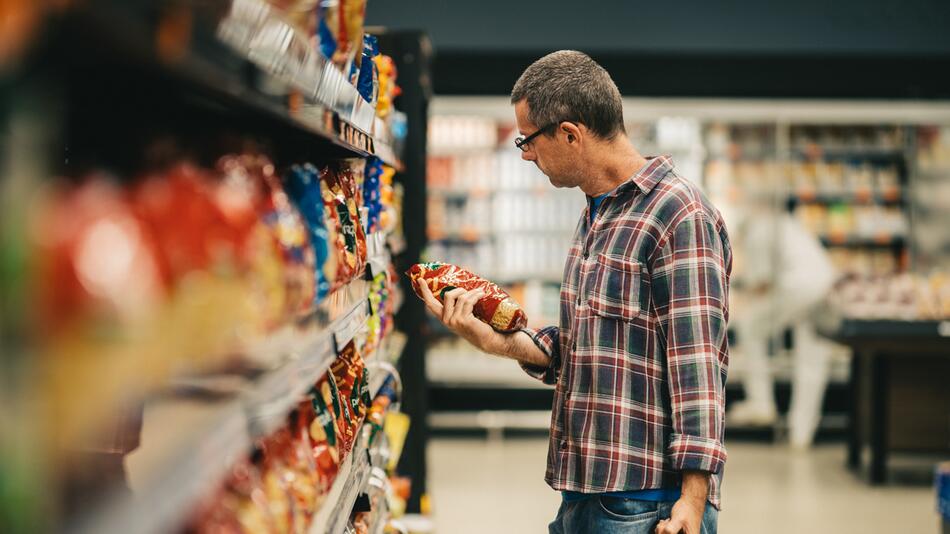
column 455, row 312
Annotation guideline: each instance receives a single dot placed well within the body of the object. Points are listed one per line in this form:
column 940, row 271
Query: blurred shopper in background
column 787, row 276
column 640, row 355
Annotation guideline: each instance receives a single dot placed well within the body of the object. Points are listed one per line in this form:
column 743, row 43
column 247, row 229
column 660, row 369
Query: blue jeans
column 613, row 515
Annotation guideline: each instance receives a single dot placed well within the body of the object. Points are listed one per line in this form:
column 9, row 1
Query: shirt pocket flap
column 617, row 291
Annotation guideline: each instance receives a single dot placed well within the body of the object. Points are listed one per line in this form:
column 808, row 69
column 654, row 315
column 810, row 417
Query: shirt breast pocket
column 618, row 291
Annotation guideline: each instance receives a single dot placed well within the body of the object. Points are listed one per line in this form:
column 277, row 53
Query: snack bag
column 278, row 482
column 351, row 29
column 300, row 458
column 496, row 308
column 283, row 223
column 244, row 199
column 303, row 186
column 350, row 178
column 323, row 435
column 372, row 198
column 367, row 82
column 298, row 254
column 343, row 416
column 339, row 190
column 388, row 90
column 348, row 373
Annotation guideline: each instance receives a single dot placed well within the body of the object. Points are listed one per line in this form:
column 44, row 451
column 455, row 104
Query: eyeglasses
column 522, row 142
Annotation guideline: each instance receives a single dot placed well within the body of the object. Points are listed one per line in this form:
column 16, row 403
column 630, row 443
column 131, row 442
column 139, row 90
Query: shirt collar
column 647, row 177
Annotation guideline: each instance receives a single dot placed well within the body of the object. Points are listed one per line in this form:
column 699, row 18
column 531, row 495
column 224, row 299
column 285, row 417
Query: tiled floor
column 483, row 486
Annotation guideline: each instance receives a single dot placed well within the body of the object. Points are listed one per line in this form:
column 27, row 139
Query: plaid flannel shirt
column 640, row 357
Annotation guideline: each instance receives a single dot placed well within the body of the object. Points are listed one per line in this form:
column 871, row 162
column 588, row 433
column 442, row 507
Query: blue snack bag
column 303, row 187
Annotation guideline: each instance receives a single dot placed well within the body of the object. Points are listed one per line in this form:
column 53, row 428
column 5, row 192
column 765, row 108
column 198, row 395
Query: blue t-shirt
column 653, row 495
column 595, row 205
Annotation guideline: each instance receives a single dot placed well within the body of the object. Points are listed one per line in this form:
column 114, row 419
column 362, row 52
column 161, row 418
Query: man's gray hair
column 568, row 85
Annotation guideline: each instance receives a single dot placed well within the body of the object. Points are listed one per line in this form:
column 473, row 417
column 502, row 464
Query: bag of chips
column 496, row 308
column 348, row 373
column 323, row 434
column 303, row 186
column 346, row 233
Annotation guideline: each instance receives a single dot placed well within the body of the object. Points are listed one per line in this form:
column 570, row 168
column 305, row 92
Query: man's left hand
column 687, row 516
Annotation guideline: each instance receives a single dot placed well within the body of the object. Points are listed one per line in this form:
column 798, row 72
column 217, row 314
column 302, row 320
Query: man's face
column 550, row 153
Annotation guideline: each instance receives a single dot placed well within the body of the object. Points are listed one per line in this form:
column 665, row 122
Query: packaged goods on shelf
column 230, row 239
column 496, row 308
column 903, row 296
column 179, row 274
column 343, row 216
column 451, row 133
column 931, row 198
column 288, row 479
column 239, row 506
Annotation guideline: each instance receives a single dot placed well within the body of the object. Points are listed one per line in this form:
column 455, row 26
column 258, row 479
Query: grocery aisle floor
column 483, row 486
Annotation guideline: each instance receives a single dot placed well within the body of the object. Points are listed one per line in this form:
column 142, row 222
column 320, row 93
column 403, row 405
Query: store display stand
column 886, row 356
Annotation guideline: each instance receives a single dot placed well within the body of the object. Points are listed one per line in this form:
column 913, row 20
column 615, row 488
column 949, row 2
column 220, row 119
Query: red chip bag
column 496, row 308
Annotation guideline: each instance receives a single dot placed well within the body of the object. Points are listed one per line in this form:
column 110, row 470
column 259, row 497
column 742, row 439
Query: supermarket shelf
column 491, row 420
column 846, row 198
column 383, row 366
column 851, row 153
column 350, row 480
column 473, row 369
column 183, row 466
column 437, row 235
column 481, row 192
column 240, row 81
column 385, row 152
column 195, row 457
column 863, row 242
column 278, row 391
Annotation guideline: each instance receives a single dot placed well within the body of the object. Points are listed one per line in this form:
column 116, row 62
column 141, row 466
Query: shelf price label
column 350, row 325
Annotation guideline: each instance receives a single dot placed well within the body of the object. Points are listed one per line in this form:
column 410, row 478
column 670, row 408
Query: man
column 639, row 359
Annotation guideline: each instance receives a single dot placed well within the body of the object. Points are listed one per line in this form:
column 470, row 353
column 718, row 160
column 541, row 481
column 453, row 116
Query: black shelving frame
column 413, row 55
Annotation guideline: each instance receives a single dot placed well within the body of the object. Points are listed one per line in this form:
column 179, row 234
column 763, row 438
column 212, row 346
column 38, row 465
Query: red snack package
column 340, row 198
column 496, row 308
column 322, row 431
column 193, row 234
column 349, row 375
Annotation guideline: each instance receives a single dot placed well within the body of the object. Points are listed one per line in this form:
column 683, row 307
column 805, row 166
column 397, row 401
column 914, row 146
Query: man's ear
column 572, row 130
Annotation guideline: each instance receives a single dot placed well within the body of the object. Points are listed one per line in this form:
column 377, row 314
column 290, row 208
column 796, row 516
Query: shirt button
column 586, row 254
column 563, row 444
column 574, row 346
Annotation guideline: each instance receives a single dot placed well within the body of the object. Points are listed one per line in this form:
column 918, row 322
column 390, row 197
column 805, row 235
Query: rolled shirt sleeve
column 690, row 277
column 548, row 340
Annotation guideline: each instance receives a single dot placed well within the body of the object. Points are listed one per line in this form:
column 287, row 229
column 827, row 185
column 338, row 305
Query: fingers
column 464, row 305
column 669, row 526
column 429, row 299
column 449, row 299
